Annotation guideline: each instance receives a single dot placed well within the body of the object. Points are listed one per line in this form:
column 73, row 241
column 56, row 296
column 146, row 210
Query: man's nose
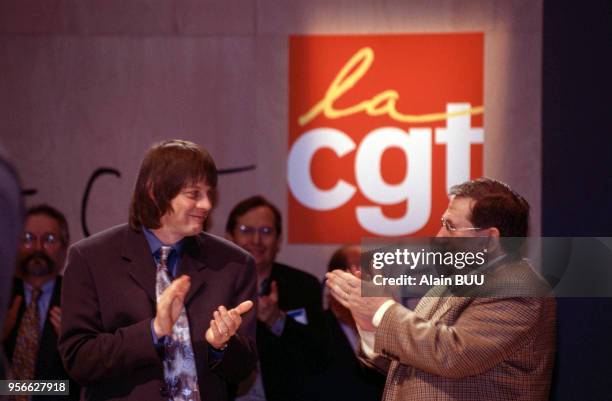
column 204, row 203
column 257, row 237
column 37, row 245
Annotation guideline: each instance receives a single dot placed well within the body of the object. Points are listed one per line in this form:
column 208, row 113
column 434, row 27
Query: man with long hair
column 157, row 309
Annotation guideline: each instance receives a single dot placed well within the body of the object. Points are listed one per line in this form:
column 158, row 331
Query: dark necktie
column 26, row 348
column 179, row 361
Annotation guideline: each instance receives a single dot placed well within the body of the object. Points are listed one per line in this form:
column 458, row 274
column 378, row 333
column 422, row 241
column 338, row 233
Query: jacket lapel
column 193, row 261
column 135, row 250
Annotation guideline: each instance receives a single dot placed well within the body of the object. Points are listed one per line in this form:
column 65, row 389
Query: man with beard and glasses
column 33, row 321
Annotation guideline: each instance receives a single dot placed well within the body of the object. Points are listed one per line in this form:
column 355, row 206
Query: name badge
column 299, row 315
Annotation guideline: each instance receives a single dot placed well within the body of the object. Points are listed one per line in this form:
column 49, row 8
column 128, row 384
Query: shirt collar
column 155, row 244
column 45, row 289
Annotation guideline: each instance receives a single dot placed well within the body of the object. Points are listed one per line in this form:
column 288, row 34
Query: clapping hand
column 225, row 323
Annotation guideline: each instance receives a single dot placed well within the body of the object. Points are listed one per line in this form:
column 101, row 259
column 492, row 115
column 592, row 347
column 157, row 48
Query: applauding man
column 33, row 322
column 496, row 346
column 157, row 309
column 290, row 326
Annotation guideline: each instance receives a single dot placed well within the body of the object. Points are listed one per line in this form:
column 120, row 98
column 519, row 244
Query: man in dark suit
column 33, row 321
column 344, row 376
column 290, row 328
column 11, row 215
column 145, row 314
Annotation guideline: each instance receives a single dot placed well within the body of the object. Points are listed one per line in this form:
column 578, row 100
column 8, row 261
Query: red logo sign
column 380, row 127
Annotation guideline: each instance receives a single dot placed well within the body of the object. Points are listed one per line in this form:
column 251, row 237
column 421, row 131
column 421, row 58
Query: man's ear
column 279, row 242
column 151, row 194
column 494, row 232
column 150, row 190
column 62, row 265
column 494, row 237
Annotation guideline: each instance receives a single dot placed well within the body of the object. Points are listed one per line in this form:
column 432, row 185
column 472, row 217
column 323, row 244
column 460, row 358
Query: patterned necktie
column 179, row 361
column 26, row 347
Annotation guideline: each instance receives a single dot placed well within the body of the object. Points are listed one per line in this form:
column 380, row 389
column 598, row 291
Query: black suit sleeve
column 300, row 346
column 11, row 216
column 89, row 354
column 240, row 356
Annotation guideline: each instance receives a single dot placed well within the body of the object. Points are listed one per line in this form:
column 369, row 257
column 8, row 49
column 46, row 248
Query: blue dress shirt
column 43, row 301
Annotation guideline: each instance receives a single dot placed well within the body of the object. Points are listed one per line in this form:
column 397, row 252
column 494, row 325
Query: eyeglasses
column 47, row 239
column 264, row 231
column 450, row 228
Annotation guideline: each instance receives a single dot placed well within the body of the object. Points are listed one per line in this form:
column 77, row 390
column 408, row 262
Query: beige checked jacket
column 469, row 348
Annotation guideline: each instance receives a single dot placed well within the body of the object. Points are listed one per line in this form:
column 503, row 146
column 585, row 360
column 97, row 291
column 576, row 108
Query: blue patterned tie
column 179, row 361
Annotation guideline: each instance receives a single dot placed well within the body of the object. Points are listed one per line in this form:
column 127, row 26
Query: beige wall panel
column 361, row 16
column 272, row 145
column 115, row 76
column 513, row 148
column 73, row 104
column 134, row 17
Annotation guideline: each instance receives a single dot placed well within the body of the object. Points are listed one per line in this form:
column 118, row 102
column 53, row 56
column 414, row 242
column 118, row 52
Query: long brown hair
column 167, row 168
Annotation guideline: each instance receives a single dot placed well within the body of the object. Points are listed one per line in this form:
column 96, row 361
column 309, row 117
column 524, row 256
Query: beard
column 37, row 264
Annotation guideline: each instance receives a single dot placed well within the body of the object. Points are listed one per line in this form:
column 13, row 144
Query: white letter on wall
column 415, row 189
column 298, row 169
column 458, row 136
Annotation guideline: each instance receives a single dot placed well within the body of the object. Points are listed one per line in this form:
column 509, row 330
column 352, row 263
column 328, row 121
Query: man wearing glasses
column 33, row 322
column 500, row 346
column 289, row 312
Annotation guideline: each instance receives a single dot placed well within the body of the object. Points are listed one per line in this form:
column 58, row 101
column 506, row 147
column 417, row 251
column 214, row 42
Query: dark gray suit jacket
column 48, row 362
column 108, row 302
column 11, row 216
